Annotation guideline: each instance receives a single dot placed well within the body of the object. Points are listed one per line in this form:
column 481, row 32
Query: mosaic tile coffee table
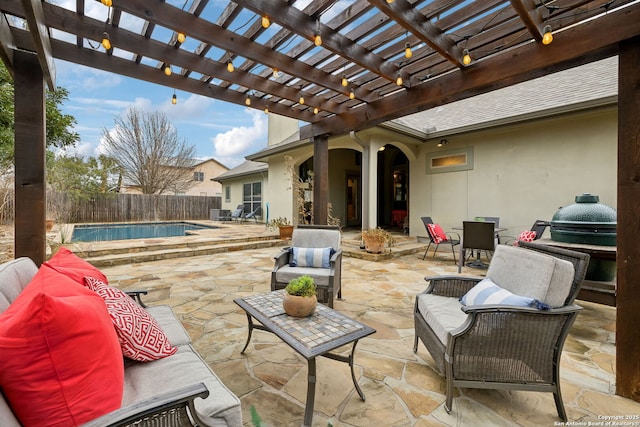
column 313, row 336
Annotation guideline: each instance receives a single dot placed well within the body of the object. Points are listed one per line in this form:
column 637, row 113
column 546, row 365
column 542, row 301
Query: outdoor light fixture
column 230, row 66
column 389, row 1
column 407, row 51
column 167, row 69
column 547, row 37
column 174, row 99
column 352, row 94
column 107, row 3
column 181, row 37
column 266, row 110
column 344, row 81
column 265, row 22
column 466, row 58
column 399, row 80
column 247, row 101
column 381, row 148
column 317, row 40
column 316, row 110
column 301, row 100
column 106, row 43
column 276, row 73
column 442, row 143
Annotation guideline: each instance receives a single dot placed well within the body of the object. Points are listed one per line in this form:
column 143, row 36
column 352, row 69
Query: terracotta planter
column 286, row 231
column 299, row 306
column 373, row 246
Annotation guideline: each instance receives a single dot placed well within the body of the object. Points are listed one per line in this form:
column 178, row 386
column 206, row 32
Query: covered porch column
column 320, row 179
column 628, row 258
column 30, row 142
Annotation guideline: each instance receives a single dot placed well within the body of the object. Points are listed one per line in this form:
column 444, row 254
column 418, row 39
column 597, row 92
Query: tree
column 150, row 153
column 59, row 126
column 82, row 179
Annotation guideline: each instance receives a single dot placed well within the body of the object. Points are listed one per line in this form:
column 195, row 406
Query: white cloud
column 231, row 146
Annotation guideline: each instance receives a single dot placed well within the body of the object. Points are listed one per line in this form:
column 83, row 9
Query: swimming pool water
column 106, row 232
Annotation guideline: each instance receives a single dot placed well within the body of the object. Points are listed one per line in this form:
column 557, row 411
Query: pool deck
column 402, row 388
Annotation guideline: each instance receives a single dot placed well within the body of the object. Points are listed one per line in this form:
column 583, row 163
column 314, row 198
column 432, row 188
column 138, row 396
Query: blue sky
column 217, row 129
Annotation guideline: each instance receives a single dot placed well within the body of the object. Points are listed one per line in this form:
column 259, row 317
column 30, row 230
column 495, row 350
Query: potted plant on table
column 284, row 227
column 300, row 297
column 375, row 239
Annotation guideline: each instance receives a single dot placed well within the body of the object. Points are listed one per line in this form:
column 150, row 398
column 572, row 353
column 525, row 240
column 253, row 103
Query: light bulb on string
column 407, row 51
column 316, row 110
column 301, row 100
column 466, row 58
column 167, row 70
column 317, row 39
column 344, row 81
column 352, row 94
column 399, row 80
column 247, row 101
column 276, row 73
column 547, row 36
column 266, row 110
column 106, row 43
column 181, row 37
column 174, row 99
column 266, row 22
column 230, row 66
column 107, row 3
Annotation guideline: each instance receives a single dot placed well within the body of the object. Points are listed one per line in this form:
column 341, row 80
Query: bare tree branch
column 150, row 153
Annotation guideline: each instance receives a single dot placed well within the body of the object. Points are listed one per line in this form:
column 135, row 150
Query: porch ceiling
column 363, row 41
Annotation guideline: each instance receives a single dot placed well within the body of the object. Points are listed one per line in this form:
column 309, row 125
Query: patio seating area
column 402, row 388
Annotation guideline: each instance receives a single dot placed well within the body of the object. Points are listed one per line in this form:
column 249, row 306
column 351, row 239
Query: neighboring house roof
column 587, row 86
column 248, row 167
column 200, row 162
column 591, row 85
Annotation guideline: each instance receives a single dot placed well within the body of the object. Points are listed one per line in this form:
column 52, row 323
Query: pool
column 142, row 230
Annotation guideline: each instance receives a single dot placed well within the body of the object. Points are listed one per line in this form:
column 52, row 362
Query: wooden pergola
column 339, row 66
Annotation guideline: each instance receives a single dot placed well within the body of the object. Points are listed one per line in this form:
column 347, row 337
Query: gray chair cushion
column 288, row 273
column 442, row 314
column 14, row 276
column 186, row 367
column 532, row 274
column 171, row 326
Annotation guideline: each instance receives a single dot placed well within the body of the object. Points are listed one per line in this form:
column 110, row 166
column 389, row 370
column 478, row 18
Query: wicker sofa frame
column 501, row 347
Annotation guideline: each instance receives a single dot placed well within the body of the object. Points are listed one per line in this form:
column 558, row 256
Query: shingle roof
column 576, row 88
column 248, row 167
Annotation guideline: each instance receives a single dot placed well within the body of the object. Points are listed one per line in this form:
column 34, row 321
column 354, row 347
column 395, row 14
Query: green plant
column 379, row 236
column 278, row 222
column 302, row 286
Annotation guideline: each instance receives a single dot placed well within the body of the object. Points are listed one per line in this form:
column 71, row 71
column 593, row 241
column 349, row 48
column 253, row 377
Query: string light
column 167, row 70
column 344, row 82
column 181, row 37
column 407, row 51
column 276, row 73
column 389, row 1
column 399, row 80
column 265, row 22
column 230, row 66
column 266, row 110
column 301, row 100
column 547, row 37
column 247, row 101
column 174, row 99
column 107, row 3
column 352, row 94
column 317, row 40
column 106, row 43
column 466, row 58
column 316, row 110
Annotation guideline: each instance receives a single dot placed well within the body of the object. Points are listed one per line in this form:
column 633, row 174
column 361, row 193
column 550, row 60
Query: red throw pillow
column 526, row 236
column 437, row 233
column 66, row 262
column 141, row 337
column 60, row 361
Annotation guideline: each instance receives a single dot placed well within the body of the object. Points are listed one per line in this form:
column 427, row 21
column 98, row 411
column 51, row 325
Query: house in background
column 518, row 153
column 245, row 185
column 198, row 180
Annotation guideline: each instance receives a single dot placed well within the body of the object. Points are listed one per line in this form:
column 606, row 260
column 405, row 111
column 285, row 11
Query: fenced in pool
column 124, row 231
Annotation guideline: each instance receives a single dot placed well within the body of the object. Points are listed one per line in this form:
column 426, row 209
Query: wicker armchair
column 501, row 346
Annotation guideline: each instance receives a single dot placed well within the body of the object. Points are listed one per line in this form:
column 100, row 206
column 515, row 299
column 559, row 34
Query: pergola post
column 628, row 260
column 320, row 179
column 30, row 142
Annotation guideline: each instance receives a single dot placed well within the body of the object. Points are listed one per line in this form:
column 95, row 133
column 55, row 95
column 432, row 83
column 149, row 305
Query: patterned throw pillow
column 526, row 236
column 141, row 337
column 437, row 233
column 485, row 292
column 311, row 257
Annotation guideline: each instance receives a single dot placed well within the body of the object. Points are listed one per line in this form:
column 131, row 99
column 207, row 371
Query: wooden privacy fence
column 121, row 208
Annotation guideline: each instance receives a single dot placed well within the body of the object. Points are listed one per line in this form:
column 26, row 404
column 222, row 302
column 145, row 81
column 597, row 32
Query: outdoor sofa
column 62, row 347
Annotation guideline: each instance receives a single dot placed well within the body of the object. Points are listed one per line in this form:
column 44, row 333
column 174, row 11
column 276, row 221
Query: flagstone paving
column 401, row 388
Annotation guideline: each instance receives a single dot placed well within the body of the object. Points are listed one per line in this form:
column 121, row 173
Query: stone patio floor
column 402, row 388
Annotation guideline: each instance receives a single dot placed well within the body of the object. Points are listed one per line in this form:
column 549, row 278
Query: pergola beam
column 42, row 43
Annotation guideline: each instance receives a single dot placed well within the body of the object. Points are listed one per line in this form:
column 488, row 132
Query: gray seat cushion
column 442, row 314
column 170, row 324
column 186, row 367
column 531, row 274
column 287, row 273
